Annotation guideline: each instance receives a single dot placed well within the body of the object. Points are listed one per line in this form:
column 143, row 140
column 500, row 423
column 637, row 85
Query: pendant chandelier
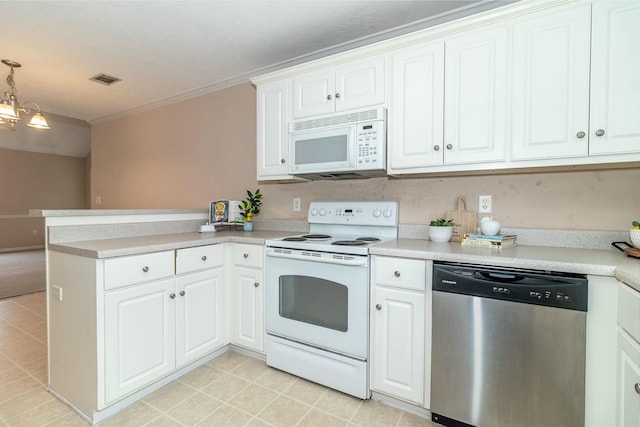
column 10, row 109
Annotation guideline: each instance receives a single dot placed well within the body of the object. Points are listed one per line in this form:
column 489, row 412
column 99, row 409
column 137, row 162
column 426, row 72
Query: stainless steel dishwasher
column 508, row 347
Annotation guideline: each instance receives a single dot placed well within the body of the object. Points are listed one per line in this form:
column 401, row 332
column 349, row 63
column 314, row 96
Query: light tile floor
column 232, row 390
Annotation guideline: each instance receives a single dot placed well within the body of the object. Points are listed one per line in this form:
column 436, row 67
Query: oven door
column 319, row 299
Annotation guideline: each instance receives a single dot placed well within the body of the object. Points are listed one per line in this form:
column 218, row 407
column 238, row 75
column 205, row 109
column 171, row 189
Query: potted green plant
column 250, row 207
column 440, row 230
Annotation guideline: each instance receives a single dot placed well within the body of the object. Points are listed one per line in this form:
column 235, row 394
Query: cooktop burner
column 369, row 239
column 294, row 239
column 349, row 243
column 317, row 236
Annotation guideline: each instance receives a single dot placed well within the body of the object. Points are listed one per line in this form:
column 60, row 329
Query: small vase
column 248, row 226
column 440, row 234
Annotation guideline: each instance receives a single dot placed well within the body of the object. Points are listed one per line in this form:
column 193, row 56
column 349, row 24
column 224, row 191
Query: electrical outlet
column 296, row 204
column 484, row 204
column 56, row 292
column 34, row 232
column 98, row 200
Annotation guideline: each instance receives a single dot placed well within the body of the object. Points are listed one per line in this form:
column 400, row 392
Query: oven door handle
column 358, row 261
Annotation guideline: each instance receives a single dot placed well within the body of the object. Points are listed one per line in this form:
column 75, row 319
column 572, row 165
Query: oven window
column 322, row 150
column 315, row 301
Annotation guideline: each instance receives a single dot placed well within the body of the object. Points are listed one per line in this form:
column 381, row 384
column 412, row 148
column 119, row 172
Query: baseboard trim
column 22, row 248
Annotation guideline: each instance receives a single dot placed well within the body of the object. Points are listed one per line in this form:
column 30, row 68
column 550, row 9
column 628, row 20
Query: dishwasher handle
column 499, row 277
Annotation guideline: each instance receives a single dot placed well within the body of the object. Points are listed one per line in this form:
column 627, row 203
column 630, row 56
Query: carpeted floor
column 22, row 273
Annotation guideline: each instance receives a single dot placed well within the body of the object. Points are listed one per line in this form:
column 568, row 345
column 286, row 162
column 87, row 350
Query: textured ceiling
column 167, row 50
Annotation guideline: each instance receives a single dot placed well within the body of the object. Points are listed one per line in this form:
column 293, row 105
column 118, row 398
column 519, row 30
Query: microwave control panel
column 370, row 145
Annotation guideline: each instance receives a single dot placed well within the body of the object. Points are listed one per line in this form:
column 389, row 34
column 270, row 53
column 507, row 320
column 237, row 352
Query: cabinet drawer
column 119, row 272
column 629, row 310
column 199, row 258
column 399, row 272
column 248, row 255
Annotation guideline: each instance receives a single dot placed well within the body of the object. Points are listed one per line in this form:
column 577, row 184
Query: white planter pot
column 440, row 234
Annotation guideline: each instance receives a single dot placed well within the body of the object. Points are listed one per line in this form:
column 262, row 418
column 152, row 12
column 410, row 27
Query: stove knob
column 314, row 212
column 322, row 211
column 376, row 213
column 387, row 213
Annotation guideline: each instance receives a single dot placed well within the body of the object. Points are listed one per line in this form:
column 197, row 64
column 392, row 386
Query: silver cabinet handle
column 329, row 97
column 436, row 148
column 245, row 256
column 449, row 146
column 378, row 307
column 182, row 293
column 145, row 269
column 581, row 134
column 256, row 284
column 637, row 387
column 283, row 161
column 396, row 273
column 172, row 296
column 204, row 257
column 337, row 95
column 600, row 132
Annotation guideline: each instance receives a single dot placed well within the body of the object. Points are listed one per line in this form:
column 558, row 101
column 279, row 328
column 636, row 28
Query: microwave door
column 326, row 150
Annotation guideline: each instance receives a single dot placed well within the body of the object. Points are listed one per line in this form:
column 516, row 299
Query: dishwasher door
column 504, row 363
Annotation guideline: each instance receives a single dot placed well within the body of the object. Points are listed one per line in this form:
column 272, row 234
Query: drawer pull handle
column 145, row 269
column 172, row 296
column 204, row 257
column 637, row 387
column 182, row 293
column 378, row 307
column 245, row 256
column 256, row 284
column 396, row 273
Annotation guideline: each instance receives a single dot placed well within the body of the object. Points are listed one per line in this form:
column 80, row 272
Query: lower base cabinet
column 401, row 329
column 628, row 395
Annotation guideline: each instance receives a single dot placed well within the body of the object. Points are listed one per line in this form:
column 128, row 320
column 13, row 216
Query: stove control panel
column 354, row 213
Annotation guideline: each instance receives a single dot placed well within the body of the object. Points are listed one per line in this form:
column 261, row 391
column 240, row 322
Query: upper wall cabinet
column 449, row 102
column 551, row 85
column 615, row 78
column 353, row 85
column 273, row 116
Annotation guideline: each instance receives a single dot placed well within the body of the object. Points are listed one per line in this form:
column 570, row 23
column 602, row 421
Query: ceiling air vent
column 105, row 79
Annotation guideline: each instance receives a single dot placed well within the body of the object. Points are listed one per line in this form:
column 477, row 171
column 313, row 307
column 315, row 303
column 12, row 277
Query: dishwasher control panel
column 562, row 290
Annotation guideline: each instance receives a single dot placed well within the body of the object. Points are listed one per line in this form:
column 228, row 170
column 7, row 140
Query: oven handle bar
column 359, row 261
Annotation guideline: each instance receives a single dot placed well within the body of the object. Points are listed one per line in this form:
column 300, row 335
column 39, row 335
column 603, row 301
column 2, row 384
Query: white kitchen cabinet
column 401, row 329
column 199, row 314
column 449, row 102
column 628, row 378
column 345, row 87
column 476, row 96
column 139, row 336
column 416, row 111
column 248, row 297
column 615, row 88
column 551, row 85
column 273, row 117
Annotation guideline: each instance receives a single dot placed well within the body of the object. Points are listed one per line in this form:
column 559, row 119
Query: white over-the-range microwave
column 350, row 144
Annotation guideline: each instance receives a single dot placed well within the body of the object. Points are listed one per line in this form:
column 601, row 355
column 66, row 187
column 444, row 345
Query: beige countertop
column 597, row 262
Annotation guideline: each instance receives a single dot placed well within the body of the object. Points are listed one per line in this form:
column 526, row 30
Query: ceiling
column 165, row 51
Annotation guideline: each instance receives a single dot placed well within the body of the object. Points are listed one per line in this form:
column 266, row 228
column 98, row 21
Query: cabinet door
column 139, row 336
column 360, row 84
column 476, row 97
column 628, row 381
column 416, row 108
column 199, row 314
column 313, row 94
column 551, row 85
column 274, row 114
column 615, row 84
column 397, row 343
column 248, row 323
